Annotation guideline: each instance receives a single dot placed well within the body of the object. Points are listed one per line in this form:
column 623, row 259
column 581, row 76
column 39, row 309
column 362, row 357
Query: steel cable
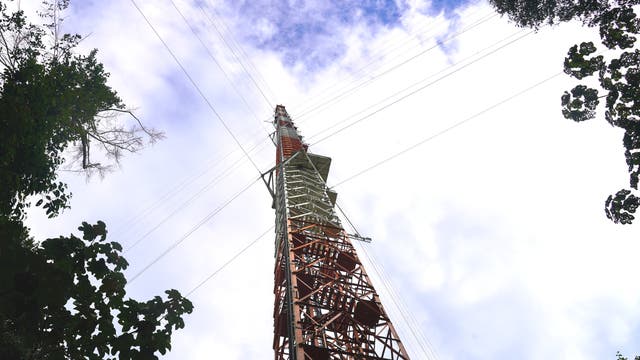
column 194, row 84
column 396, row 66
column 446, row 130
column 413, row 92
column 381, row 54
column 423, row 342
column 203, row 221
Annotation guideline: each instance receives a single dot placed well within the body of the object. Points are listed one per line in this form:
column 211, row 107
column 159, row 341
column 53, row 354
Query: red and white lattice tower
column 325, row 304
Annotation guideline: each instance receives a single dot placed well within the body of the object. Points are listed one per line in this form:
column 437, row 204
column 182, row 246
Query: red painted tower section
column 325, row 304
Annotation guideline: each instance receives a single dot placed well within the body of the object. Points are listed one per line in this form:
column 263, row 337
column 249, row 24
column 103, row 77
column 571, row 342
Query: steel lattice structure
column 325, row 304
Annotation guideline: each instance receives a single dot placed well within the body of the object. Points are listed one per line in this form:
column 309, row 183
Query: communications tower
column 325, row 304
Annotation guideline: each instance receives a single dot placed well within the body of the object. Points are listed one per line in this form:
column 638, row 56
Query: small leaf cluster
column 67, row 299
column 621, row 207
column 620, row 357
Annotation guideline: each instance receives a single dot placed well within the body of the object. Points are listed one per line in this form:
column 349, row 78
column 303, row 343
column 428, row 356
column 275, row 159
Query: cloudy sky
column 489, row 237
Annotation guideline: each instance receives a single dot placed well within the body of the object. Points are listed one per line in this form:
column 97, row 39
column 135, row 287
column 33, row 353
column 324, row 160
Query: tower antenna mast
column 325, row 305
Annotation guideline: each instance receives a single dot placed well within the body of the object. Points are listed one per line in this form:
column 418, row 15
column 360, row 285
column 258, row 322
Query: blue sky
column 493, row 233
column 311, row 33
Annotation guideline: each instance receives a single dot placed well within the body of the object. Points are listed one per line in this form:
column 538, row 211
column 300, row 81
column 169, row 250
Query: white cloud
column 494, row 233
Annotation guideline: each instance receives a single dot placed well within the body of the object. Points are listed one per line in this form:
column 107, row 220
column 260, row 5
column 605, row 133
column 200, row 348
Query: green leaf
column 580, row 104
column 578, row 65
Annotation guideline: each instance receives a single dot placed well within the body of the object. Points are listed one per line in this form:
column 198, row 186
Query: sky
column 484, row 204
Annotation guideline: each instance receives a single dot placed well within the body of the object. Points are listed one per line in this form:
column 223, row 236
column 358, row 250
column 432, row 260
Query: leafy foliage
column 51, row 99
column 620, row 357
column 534, row 13
column 620, row 208
column 618, row 75
column 580, row 105
column 64, row 298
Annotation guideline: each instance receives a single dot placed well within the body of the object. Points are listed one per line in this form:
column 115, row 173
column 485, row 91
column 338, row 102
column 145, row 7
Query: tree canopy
column 618, row 75
column 51, row 99
column 534, row 13
column 64, row 297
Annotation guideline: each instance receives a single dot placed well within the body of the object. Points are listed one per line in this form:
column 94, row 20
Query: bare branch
column 8, row 61
column 153, row 134
column 107, row 130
